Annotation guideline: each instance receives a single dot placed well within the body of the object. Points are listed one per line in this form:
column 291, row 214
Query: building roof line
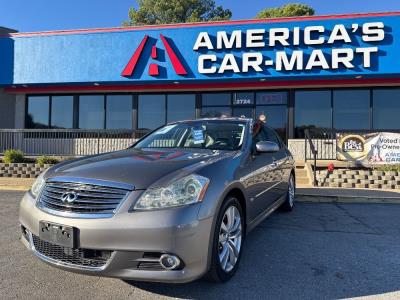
column 200, row 24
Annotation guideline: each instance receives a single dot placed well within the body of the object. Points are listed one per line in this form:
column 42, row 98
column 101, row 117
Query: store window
column 243, row 98
column 216, row 105
column 242, row 112
column 38, row 112
column 276, row 117
column 386, row 107
column 91, row 112
column 216, row 99
column 151, row 111
column 62, row 112
column 181, row 107
column 273, row 105
column 243, row 103
column 119, row 112
column 312, row 110
column 216, row 112
column 351, row 109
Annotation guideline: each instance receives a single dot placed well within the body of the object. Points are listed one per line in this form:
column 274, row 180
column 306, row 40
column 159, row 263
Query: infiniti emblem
column 69, row 197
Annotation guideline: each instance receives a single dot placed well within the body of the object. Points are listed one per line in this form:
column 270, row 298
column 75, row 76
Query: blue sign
column 291, row 49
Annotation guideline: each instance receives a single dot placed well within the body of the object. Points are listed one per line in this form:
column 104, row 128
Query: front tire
column 290, row 196
column 228, row 241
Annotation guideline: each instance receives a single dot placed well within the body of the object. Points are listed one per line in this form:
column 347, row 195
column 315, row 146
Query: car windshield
column 213, row 135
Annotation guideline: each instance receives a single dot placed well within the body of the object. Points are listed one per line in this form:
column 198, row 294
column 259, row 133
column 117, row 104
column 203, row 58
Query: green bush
column 13, row 156
column 47, row 160
column 388, row 168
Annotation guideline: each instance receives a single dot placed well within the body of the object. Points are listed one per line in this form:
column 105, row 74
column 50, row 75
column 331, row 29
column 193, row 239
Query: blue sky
column 41, row 15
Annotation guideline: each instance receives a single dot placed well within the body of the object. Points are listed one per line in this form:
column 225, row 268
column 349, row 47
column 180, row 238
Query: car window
column 259, row 135
column 213, row 135
column 271, row 136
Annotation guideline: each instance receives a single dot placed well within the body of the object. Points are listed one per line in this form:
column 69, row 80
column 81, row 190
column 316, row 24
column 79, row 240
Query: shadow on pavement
column 317, row 251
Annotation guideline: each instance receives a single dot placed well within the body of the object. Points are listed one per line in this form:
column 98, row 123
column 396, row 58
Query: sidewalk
column 311, row 194
column 16, row 184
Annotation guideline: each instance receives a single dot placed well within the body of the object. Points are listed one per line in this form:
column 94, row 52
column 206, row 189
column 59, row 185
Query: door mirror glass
column 267, row 147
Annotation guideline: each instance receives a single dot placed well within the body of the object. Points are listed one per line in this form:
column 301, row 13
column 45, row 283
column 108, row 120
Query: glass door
column 243, row 103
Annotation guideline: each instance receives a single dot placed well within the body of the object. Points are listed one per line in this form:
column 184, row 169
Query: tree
column 288, row 10
column 175, row 11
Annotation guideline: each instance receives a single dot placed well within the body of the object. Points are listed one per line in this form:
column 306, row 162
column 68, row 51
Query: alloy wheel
column 230, row 238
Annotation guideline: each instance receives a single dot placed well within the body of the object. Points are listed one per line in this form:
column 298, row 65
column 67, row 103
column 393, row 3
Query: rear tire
column 228, row 241
column 290, row 195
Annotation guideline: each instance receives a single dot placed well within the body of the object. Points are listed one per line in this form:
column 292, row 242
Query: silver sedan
column 174, row 207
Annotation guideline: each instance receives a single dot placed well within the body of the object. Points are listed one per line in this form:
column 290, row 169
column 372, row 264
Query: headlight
column 38, row 185
column 188, row 190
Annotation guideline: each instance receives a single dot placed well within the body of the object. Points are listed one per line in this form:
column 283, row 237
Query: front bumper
column 130, row 234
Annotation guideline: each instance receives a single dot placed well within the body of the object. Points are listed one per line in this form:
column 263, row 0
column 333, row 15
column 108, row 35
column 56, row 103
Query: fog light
column 169, row 262
column 25, row 232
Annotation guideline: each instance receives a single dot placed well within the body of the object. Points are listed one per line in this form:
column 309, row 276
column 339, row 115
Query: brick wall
column 350, row 178
column 24, row 170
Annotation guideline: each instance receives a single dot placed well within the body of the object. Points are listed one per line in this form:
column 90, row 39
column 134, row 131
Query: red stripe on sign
column 153, row 70
column 154, row 52
column 176, row 63
column 130, row 67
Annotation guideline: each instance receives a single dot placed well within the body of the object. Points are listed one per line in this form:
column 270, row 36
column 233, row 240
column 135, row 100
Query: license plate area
column 58, row 234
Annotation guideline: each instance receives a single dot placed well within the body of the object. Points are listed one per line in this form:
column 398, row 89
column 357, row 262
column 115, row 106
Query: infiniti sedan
column 174, row 207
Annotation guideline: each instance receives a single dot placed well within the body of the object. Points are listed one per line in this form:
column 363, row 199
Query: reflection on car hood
column 134, row 166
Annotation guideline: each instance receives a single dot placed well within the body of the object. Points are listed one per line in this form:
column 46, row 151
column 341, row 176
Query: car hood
column 140, row 168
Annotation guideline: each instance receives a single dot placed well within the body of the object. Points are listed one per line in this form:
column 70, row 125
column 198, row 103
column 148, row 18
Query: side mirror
column 267, row 147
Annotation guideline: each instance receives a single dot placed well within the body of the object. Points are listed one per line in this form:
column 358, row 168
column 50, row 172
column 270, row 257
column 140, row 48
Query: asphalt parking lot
column 318, row 251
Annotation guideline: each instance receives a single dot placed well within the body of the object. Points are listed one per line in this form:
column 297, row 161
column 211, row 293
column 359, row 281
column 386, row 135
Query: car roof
column 230, row 119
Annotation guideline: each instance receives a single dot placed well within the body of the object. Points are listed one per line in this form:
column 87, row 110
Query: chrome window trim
column 63, row 264
column 267, row 189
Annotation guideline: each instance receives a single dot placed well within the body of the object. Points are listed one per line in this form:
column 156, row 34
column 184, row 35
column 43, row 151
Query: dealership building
column 338, row 72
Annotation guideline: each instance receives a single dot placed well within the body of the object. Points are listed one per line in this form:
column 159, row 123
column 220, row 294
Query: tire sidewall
column 216, row 266
column 291, row 179
column 286, row 206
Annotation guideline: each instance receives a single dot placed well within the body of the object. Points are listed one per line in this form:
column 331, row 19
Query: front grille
column 149, row 265
column 89, row 198
column 70, row 256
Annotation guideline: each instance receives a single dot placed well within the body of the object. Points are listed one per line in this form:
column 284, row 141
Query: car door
column 261, row 176
column 279, row 159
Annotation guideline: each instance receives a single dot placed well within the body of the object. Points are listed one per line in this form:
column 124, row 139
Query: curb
column 14, row 188
column 346, row 199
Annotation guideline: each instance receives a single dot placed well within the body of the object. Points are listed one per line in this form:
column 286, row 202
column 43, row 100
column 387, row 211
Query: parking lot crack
column 376, row 231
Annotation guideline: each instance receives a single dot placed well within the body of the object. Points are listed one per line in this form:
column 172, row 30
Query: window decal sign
column 198, row 135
